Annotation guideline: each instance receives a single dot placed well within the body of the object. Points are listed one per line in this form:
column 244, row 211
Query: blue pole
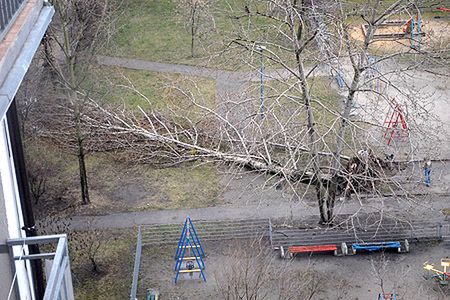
column 182, row 236
column 261, row 90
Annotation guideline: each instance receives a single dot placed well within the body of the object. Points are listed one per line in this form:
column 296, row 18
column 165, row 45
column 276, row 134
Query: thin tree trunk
column 81, row 153
column 193, row 12
column 297, row 36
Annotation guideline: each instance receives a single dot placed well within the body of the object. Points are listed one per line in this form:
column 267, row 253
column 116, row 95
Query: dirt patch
column 353, row 277
column 132, row 193
column 437, row 34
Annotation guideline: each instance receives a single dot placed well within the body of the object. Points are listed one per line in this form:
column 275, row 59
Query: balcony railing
column 59, row 279
column 9, row 9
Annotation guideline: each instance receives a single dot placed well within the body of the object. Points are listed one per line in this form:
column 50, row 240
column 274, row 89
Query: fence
column 9, row 9
column 137, row 263
column 415, row 231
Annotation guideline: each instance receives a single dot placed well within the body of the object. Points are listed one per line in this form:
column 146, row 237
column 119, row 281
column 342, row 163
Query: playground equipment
column 400, row 247
column 444, row 9
column 389, row 296
column 442, row 277
column 414, row 27
column 400, row 29
column 189, row 252
column 338, row 250
column 396, row 126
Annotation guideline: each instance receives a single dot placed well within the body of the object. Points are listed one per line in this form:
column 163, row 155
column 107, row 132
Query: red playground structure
column 396, row 126
column 444, row 9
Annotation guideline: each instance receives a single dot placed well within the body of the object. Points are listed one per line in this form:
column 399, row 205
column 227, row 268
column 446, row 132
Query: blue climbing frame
column 189, row 240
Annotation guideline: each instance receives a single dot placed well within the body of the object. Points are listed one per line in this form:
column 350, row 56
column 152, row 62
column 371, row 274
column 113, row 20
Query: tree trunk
column 81, row 154
column 94, row 265
column 192, row 31
column 297, row 37
column 83, row 175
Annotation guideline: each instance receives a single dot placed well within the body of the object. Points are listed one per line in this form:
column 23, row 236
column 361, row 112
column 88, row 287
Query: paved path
column 425, row 207
column 249, row 204
column 240, row 76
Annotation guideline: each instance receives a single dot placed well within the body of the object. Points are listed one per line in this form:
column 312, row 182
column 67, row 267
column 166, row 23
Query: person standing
column 427, row 171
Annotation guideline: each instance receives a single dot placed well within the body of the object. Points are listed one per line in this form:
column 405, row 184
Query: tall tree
column 196, row 16
column 305, row 137
column 74, row 37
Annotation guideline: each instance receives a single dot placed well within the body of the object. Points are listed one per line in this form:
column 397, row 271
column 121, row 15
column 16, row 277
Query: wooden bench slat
column 315, row 248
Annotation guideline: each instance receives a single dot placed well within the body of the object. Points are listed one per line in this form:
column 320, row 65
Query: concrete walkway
column 425, row 207
column 237, row 76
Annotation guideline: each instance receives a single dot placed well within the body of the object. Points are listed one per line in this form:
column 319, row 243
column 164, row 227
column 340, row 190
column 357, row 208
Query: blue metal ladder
column 189, row 240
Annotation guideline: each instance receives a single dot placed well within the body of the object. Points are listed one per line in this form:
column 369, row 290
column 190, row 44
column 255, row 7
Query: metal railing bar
column 51, row 283
column 35, row 256
column 36, row 240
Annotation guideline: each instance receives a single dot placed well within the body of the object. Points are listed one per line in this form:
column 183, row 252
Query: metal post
column 137, row 263
column 261, row 86
column 260, row 48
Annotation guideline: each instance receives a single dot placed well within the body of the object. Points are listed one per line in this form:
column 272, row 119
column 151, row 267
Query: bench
column 292, row 250
column 401, row 247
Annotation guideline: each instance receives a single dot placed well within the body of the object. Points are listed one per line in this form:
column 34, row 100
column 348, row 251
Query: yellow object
column 445, row 262
column 190, row 271
column 189, row 246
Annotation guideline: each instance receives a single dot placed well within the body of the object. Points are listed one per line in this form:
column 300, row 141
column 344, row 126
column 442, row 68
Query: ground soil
column 351, row 277
column 436, row 33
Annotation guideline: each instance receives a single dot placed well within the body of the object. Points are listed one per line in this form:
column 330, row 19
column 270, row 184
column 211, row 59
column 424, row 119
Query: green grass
column 148, row 29
column 279, row 98
column 283, row 104
column 116, row 185
column 186, row 186
column 116, row 259
column 156, row 91
column 446, row 211
column 154, row 30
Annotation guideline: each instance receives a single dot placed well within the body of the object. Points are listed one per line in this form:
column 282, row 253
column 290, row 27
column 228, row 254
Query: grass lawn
column 282, row 99
column 154, row 30
column 119, row 186
column 116, row 261
column 155, row 91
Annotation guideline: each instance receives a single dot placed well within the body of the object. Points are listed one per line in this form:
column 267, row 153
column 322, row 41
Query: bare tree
column 78, row 31
column 303, row 137
column 252, row 273
column 196, row 16
column 84, row 246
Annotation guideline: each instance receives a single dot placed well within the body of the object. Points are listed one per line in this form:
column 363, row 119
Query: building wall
column 13, row 212
column 17, row 49
column 5, row 264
